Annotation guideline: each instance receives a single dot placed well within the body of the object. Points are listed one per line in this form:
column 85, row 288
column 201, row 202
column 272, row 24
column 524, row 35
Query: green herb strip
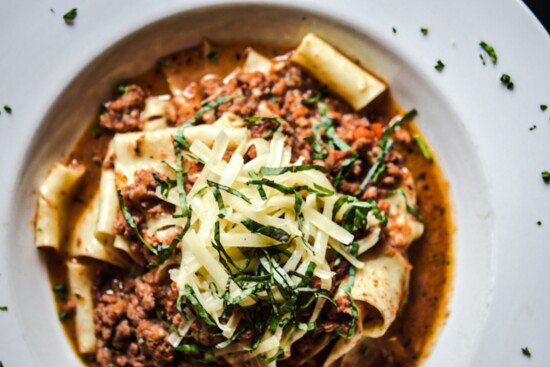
column 386, row 144
column 270, row 171
column 229, row 190
column 219, row 199
column 179, row 138
column 287, row 190
column 227, row 342
column 313, row 99
column 189, row 293
column 165, row 186
column 167, row 252
column 165, row 322
column 490, row 51
column 355, row 216
column 389, row 130
column 345, row 168
column 353, row 252
column 328, row 126
column 130, row 220
column 260, row 188
column 410, row 208
column 354, row 311
column 482, row 59
column 268, row 231
column 439, row 65
column 255, row 120
column 181, row 143
column 94, row 130
column 70, row 15
column 423, row 147
column 320, row 151
column 213, row 56
column 375, row 166
column 378, row 173
column 61, row 292
column 507, row 81
column 193, row 348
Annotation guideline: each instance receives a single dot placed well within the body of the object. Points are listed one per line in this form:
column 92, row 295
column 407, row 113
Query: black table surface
column 541, row 9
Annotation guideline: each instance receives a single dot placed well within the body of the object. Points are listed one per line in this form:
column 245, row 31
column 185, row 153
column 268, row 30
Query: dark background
column 541, row 8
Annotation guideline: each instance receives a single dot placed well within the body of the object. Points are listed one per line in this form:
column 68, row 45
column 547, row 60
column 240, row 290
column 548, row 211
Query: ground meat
column 128, row 330
column 123, row 114
column 153, row 334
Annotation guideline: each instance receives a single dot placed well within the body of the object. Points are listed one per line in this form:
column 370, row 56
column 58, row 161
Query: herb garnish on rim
column 507, row 81
column 439, row 66
column 490, row 51
column 70, row 16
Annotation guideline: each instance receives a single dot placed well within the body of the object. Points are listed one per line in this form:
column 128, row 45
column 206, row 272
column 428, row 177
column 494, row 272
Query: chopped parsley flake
column 507, row 81
column 315, row 98
column 213, row 55
column 545, row 176
column 439, row 66
column 122, row 89
column 490, row 51
column 482, row 59
column 61, row 291
column 63, row 315
column 3, row 308
column 70, row 16
column 526, row 352
column 539, row 223
column 543, row 107
column 95, row 131
column 7, row 108
column 532, row 127
column 394, row 29
column 424, row 31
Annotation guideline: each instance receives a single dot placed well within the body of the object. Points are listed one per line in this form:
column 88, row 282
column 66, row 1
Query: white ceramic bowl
column 54, row 77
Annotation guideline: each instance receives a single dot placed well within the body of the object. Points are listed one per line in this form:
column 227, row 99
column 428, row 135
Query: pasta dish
column 248, row 209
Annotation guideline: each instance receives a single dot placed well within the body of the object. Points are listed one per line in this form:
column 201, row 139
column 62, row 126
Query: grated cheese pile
column 268, row 216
